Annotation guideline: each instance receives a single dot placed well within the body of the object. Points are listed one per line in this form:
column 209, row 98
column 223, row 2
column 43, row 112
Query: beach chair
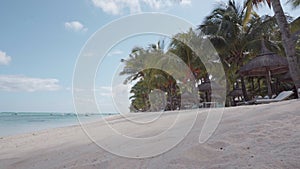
column 280, row 97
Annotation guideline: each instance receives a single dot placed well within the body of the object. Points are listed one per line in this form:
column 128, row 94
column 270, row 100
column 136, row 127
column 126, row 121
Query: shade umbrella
column 208, row 86
column 265, row 64
column 236, row 93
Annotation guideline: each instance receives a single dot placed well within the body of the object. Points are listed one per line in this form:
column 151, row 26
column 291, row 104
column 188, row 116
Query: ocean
column 13, row 123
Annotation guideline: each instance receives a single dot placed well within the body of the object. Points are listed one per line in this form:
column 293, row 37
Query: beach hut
column 266, row 64
column 286, row 77
column 206, row 87
column 236, row 93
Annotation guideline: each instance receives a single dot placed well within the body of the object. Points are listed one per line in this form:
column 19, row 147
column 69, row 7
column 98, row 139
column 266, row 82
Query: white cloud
column 13, row 83
column 106, row 88
column 117, row 7
column 116, row 91
column 152, row 4
column 104, row 91
column 4, row 59
column 115, row 52
column 75, row 26
column 186, row 2
column 107, row 6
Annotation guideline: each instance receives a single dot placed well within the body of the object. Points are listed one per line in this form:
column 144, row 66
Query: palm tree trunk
column 244, row 90
column 288, row 43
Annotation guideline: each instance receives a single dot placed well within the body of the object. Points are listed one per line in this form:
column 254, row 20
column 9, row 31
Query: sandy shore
column 258, row 136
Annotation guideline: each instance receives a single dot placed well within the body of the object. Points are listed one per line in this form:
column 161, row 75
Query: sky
column 40, row 42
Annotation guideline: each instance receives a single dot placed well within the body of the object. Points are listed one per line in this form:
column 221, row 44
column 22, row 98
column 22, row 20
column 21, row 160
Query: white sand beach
column 256, row 136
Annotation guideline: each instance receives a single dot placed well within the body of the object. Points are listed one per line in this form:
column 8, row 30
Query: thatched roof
column 236, row 93
column 207, row 86
column 260, row 65
column 286, row 77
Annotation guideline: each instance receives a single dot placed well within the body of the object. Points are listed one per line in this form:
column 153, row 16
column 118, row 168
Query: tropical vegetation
column 238, row 35
column 288, row 39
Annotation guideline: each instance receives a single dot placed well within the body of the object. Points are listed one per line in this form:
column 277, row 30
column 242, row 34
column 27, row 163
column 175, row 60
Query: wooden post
column 258, row 82
column 268, row 76
column 244, row 89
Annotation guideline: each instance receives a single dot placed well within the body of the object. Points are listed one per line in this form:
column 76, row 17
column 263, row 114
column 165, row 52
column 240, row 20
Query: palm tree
column 188, row 46
column 188, row 56
column 140, row 101
column 235, row 44
column 295, row 3
column 149, row 79
column 288, row 41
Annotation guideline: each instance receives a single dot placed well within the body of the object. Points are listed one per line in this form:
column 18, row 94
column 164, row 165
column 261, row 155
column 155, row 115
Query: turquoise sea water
column 12, row 123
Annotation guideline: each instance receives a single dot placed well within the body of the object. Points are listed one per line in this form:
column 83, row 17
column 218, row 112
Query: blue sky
column 41, row 40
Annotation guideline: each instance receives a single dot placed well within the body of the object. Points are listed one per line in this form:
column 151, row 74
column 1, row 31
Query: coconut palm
column 235, row 44
column 288, row 41
column 188, row 56
column 148, row 79
column 136, row 63
column 295, row 3
column 222, row 26
column 140, row 97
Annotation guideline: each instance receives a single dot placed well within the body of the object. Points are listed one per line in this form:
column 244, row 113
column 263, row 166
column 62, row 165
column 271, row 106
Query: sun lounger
column 281, row 96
